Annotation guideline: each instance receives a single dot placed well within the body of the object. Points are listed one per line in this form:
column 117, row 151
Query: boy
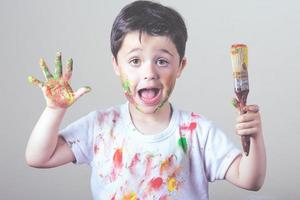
column 146, row 148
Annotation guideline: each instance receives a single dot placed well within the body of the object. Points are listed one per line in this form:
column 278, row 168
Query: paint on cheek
column 164, row 100
column 126, row 86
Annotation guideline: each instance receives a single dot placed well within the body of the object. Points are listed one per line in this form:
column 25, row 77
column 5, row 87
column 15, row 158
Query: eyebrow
column 166, row 51
column 162, row 50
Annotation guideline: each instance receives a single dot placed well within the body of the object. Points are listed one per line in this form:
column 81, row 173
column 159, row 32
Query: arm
column 249, row 171
column 45, row 147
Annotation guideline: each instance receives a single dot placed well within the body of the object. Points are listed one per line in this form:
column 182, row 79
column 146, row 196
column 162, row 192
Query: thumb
column 81, row 91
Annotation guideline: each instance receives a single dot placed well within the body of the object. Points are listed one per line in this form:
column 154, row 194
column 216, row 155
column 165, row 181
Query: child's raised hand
column 56, row 89
column 249, row 123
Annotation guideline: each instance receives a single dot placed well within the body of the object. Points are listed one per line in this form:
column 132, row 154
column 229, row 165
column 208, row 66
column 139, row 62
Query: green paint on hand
column 183, row 143
column 234, row 103
column 58, row 68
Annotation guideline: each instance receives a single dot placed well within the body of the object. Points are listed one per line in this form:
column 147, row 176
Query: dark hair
column 151, row 18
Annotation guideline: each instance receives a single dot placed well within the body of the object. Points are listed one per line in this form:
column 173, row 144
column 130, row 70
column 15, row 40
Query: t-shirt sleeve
column 79, row 136
column 219, row 153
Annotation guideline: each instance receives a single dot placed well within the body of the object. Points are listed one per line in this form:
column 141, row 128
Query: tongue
column 148, row 93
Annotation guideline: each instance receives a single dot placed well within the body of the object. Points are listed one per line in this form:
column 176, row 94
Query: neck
column 151, row 123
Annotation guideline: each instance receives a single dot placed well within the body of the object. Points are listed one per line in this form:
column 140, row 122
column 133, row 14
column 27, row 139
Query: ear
column 181, row 66
column 116, row 66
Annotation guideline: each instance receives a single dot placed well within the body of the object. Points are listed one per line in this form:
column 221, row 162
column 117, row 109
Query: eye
column 162, row 62
column 135, row 62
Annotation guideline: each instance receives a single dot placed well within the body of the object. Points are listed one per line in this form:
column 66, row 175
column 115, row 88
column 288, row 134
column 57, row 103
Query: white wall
column 80, row 29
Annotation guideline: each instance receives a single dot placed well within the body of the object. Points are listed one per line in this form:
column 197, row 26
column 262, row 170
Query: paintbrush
column 239, row 59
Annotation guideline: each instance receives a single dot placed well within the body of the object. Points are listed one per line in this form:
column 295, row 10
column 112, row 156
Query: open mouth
column 150, row 96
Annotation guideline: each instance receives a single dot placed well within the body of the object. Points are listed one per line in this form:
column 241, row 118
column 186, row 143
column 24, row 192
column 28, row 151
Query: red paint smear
column 155, row 183
column 114, row 197
column 102, row 116
column 148, row 165
column 133, row 163
column 164, row 197
column 195, row 115
column 96, row 149
column 118, row 158
column 116, row 116
column 191, row 127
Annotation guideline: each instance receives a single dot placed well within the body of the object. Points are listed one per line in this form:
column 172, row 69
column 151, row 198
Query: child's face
column 148, row 69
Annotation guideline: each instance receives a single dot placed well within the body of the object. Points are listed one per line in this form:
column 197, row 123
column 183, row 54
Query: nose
column 150, row 72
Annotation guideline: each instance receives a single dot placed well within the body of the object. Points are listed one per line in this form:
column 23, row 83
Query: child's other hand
column 56, row 89
column 249, row 123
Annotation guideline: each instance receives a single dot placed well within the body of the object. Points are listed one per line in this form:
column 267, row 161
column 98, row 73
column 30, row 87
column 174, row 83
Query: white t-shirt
column 177, row 163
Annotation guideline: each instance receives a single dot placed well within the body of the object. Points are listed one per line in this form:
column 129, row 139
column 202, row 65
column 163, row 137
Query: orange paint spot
column 118, row 158
column 166, row 164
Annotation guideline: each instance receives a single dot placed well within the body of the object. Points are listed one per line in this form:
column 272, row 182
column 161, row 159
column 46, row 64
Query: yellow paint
column 172, row 184
column 130, row 196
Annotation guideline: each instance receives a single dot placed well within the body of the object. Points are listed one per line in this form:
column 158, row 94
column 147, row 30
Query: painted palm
column 56, row 87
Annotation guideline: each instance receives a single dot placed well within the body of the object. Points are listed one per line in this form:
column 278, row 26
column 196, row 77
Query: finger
column 251, row 108
column 45, row 69
column 247, row 117
column 58, row 66
column 68, row 71
column 81, row 91
column 246, row 125
column 35, row 81
column 249, row 131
